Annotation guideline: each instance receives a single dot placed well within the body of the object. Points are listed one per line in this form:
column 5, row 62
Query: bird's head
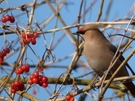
column 87, row 30
column 87, row 27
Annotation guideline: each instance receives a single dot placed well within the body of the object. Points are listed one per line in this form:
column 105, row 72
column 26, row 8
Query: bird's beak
column 80, row 32
column 76, row 33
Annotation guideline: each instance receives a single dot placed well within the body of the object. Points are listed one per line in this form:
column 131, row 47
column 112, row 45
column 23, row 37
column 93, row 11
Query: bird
column 99, row 52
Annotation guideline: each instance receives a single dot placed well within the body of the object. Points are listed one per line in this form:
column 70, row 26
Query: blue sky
column 69, row 14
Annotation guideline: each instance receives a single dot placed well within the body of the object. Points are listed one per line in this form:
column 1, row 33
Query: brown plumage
column 99, row 53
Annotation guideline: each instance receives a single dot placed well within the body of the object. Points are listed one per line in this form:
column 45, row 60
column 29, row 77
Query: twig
column 79, row 16
column 69, row 33
column 98, row 84
column 31, row 14
column 61, row 5
column 76, row 25
column 100, row 10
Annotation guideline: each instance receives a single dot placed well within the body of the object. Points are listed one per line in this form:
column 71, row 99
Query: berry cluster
column 17, row 86
column 22, row 69
column 35, row 78
column 69, row 98
column 3, row 53
column 27, row 38
column 8, row 18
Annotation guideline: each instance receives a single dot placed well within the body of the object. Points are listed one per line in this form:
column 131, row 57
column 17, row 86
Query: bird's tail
column 131, row 87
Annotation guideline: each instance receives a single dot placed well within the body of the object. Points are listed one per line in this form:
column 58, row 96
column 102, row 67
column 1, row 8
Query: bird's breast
column 97, row 56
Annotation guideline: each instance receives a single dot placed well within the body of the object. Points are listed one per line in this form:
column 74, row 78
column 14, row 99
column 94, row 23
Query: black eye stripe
column 83, row 32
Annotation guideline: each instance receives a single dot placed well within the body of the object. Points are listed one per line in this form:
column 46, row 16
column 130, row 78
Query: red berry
column 35, row 80
column 45, row 79
column 17, row 86
column 30, row 82
column 22, row 87
column 17, row 83
column 25, row 68
column 24, row 35
column 4, row 53
column 25, row 42
column 69, row 98
column 72, row 99
column 1, row 60
column 30, row 35
column 12, row 85
column 0, row 54
column 12, row 19
column 7, row 50
column 36, row 74
column 36, row 35
column 31, row 77
column 40, row 82
column 33, row 41
column 40, row 77
column 19, row 71
column 28, row 40
column 7, row 17
column 44, row 85
column 3, row 19
column 34, row 92
column 13, row 90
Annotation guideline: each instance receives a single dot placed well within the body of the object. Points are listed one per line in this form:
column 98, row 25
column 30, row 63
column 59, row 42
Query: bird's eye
column 79, row 32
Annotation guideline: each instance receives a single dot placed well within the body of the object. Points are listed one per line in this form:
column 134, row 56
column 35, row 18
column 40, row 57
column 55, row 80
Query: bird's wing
column 113, row 50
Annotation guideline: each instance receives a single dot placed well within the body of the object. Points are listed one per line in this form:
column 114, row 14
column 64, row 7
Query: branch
column 76, row 25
